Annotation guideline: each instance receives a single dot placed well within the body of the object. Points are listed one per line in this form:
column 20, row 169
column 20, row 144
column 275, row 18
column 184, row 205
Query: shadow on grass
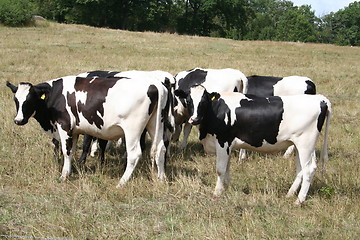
column 115, row 162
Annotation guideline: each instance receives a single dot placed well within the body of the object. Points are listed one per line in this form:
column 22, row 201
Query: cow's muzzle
column 194, row 121
column 20, row 121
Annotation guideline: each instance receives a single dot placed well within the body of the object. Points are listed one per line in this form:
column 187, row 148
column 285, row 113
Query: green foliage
column 15, row 12
column 237, row 19
column 343, row 27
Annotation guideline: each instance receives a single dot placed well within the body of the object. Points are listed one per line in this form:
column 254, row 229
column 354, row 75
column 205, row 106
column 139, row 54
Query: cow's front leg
column 68, row 145
column 222, row 168
column 187, row 131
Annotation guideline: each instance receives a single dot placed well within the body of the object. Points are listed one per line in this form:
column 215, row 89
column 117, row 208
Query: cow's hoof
column 297, row 202
column 62, row 178
column 120, row 185
column 290, row 195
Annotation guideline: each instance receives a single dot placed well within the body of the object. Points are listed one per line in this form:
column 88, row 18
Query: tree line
column 277, row 20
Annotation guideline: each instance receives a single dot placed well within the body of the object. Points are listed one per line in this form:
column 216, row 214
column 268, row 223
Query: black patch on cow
column 196, row 77
column 52, row 108
column 262, row 85
column 235, row 89
column 69, row 143
column 322, row 115
column 71, row 98
column 311, row 88
column 101, row 74
column 153, row 94
column 56, row 103
column 213, row 122
column 258, row 119
column 97, row 90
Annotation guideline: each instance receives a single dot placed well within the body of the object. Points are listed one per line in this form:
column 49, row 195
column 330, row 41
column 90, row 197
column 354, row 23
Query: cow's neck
column 215, row 123
column 43, row 115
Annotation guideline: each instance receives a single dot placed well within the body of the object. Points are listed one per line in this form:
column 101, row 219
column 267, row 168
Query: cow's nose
column 19, row 121
column 194, row 121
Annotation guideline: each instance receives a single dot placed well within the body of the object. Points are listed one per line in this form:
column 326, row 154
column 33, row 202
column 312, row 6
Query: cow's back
column 100, row 105
column 214, row 80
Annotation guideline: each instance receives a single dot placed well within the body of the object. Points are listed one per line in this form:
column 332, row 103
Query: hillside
column 88, row 206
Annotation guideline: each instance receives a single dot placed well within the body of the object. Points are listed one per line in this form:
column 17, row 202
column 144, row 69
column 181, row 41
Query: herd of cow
column 232, row 111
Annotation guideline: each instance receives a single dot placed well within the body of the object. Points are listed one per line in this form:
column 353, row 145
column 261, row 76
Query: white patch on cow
column 81, row 97
column 196, row 95
column 291, row 85
column 21, row 94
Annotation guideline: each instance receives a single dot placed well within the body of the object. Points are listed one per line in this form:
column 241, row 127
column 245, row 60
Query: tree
column 297, row 24
column 15, row 12
column 342, row 27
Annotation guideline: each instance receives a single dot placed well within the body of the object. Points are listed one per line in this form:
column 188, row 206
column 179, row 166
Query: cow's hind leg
column 308, row 167
column 85, row 148
column 222, row 168
column 289, row 151
column 158, row 151
column 133, row 151
column 296, row 184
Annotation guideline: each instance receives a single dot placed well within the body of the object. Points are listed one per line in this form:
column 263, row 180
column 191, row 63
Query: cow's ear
column 41, row 93
column 214, row 96
column 12, row 87
column 180, row 93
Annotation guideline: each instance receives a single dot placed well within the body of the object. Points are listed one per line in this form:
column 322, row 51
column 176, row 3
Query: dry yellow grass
column 88, row 206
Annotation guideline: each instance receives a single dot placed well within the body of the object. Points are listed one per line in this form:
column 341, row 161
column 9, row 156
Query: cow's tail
column 324, row 157
column 162, row 118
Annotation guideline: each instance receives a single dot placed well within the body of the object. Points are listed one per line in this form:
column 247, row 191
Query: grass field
column 34, row 203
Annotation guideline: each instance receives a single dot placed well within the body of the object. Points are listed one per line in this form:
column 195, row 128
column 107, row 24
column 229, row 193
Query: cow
column 164, row 77
column 217, row 80
column 264, row 124
column 266, row 86
column 107, row 108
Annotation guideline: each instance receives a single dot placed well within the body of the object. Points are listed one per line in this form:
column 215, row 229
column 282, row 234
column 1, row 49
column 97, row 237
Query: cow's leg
column 308, row 167
column 289, row 151
column 242, row 154
column 94, row 147
column 102, row 146
column 177, row 132
column 296, row 184
column 187, row 130
column 68, row 145
column 222, row 168
column 85, row 148
column 133, row 150
column 143, row 140
column 158, row 150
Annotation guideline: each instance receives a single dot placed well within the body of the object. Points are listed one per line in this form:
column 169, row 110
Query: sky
column 323, row 7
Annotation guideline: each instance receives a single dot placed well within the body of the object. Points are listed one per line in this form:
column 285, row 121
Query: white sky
column 323, row 7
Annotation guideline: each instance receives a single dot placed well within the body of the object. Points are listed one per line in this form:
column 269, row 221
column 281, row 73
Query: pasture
column 88, row 206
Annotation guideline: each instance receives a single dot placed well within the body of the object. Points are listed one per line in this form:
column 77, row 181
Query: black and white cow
column 266, row 86
column 215, row 80
column 233, row 120
column 164, row 77
column 105, row 108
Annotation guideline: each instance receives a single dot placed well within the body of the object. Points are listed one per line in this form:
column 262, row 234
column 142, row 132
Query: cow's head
column 197, row 101
column 26, row 98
